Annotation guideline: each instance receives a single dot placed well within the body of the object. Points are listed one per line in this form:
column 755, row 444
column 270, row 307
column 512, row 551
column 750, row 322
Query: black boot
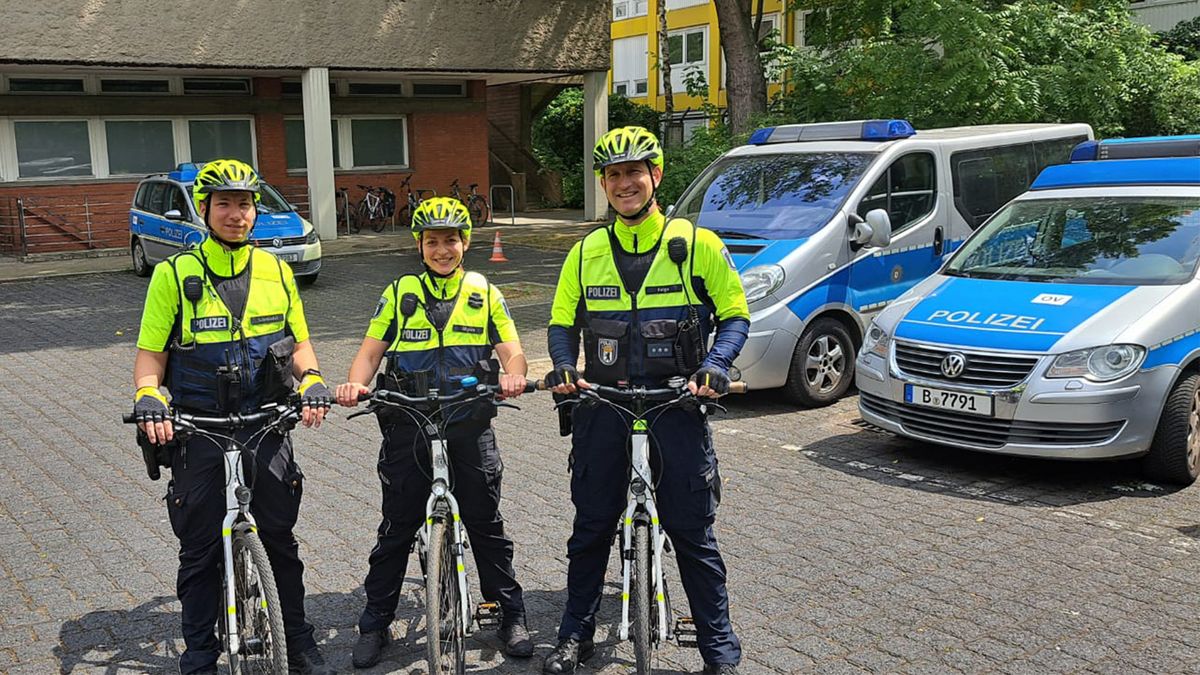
column 719, row 669
column 567, row 655
column 516, row 639
column 369, row 647
column 309, row 662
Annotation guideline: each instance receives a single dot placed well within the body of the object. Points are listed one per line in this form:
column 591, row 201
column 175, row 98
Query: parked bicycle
column 412, row 200
column 645, row 599
column 376, row 207
column 253, row 630
column 477, row 204
column 442, row 540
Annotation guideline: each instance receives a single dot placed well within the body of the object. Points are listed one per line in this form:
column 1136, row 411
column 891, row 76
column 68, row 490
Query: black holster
column 689, row 346
column 565, row 412
column 155, row 456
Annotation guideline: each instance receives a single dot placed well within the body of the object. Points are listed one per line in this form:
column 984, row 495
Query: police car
column 163, row 221
column 827, row 223
column 1066, row 327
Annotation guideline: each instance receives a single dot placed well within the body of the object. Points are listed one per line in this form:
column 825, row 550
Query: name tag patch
column 269, row 318
column 414, row 334
column 659, row 290
column 603, row 292
column 473, row 330
column 208, row 323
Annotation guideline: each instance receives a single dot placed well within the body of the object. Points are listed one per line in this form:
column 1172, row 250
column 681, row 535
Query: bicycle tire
column 641, row 599
column 480, row 210
column 445, row 635
column 381, row 218
column 363, row 216
column 259, row 614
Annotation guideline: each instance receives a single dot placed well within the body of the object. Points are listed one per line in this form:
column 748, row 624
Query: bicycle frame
column 237, row 511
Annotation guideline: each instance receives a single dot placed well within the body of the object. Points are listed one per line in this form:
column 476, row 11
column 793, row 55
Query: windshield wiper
column 732, row 234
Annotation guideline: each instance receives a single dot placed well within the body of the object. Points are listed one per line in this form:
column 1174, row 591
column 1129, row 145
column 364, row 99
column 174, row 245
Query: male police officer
column 224, row 330
column 643, row 292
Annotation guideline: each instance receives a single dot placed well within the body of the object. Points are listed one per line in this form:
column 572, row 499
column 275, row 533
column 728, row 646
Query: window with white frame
column 139, row 147
column 378, row 142
column 630, row 67
column 687, row 52
column 103, row 147
column 680, row 4
column 52, row 148
column 624, row 9
column 809, row 27
column 296, row 147
column 46, row 85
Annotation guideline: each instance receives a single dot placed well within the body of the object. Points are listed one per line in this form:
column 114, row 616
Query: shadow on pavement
column 1001, row 479
column 137, row 640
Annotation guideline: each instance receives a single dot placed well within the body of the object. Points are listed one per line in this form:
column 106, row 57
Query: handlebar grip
column 738, row 387
column 365, row 396
column 534, row 385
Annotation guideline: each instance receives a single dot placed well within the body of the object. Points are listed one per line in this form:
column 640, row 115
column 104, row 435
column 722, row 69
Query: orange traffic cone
column 497, row 250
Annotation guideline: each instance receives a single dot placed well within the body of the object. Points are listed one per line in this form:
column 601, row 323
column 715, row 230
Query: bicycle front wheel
column 641, row 599
column 263, row 644
column 480, row 211
column 445, row 634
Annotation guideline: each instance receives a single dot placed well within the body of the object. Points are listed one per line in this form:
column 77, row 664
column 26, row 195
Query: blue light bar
column 1153, row 171
column 863, row 130
column 184, row 173
column 1137, row 148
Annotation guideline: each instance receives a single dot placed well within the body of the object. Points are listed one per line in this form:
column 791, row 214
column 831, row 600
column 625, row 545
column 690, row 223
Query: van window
column 986, row 179
column 1112, row 241
column 907, row 190
column 142, row 197
column 154, row 198
column 786, row 196
column 177, row 200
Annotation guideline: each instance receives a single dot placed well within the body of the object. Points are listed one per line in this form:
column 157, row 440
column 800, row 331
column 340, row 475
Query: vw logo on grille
column 277, row 242
column 953, row 365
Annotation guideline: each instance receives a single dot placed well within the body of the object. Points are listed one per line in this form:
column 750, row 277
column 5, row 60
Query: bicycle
column 345, row 213
column 642, row 538
column 253, row 629
column 477, row 204
column 413, row 199
column 376, row 207
column 442, row 540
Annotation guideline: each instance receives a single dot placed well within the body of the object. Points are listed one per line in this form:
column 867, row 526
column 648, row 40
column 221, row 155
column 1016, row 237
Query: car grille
column 987, row 432
column 287, row 241
column 985, row 370
column 305, row 267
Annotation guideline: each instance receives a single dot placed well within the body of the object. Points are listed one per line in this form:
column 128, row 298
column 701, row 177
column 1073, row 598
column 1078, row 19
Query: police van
column 1066, row 327
column 163, row 221
column 828, row 223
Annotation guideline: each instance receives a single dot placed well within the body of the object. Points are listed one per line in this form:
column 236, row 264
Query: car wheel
column 1175, row 452
column 141, row 266
column 307, row 279
column 822, row 368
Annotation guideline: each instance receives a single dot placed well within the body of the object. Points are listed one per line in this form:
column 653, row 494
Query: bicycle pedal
column 488, row 614
column 685, row 632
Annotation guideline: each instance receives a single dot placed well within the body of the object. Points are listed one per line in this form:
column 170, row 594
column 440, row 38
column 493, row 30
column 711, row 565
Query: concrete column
column 595, row 124
column 318, row 150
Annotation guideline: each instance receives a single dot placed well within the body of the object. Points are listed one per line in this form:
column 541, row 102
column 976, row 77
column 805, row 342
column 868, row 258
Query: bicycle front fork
column 657, row 540
column 458, row 545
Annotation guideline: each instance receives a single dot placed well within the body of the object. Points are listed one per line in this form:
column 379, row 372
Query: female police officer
column 644, row 291
column 220, row 325
column 450, row 321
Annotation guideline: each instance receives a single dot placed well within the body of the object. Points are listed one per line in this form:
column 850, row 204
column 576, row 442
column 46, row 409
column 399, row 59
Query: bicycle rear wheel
column 641, row 599
column 263, row 644
column 480, row 210
column 445, row 634
column 380, row 220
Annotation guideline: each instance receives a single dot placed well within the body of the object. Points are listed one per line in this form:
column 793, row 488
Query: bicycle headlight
column 876, row 341
column 761, row 281
column 1098, row 364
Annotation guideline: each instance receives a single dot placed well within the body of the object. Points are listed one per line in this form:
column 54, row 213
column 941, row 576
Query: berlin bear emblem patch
column 607, row 349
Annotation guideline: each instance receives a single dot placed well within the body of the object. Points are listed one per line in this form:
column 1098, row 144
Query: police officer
column 434, row 329
column 223, row 331
column 644, row 293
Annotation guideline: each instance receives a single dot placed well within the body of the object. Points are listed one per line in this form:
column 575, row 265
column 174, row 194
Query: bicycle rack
column 512, row 202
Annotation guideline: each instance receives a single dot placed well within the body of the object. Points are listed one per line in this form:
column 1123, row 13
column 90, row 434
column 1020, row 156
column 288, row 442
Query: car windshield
column 271, row 201
column 1112, row 241
column 786, row 196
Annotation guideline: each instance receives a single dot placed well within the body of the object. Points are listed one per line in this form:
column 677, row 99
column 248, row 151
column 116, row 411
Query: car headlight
column 876, row 341
column 761, row 281
column 311, row 237
column 1099, row 364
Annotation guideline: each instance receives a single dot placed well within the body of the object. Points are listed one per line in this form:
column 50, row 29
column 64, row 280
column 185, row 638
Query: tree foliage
column 1183, row 39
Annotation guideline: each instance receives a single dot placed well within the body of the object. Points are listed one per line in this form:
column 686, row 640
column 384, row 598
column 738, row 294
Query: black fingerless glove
column 715, row 378
column 314, row 393
column 562, row 374
column 150, row 405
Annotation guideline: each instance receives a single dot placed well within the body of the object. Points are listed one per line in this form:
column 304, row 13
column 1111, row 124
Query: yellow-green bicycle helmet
column 626, row 144
column 441, row 213
column 224, row 175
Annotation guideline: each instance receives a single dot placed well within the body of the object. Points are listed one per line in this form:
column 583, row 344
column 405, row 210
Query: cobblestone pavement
column 847, row 550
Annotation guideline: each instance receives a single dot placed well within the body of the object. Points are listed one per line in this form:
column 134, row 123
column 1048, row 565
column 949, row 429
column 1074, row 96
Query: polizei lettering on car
column 994, row 320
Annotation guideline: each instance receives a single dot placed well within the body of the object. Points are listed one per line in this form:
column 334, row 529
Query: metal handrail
column 512, row 202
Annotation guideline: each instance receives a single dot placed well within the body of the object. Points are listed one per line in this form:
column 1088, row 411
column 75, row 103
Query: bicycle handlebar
column 228, row 422
column 479, row 390
column 662, row 394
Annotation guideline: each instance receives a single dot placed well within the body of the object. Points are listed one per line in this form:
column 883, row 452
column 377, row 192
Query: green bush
column 1183, row 39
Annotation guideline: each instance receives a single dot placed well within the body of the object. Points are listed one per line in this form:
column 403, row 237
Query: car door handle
column 939, row 240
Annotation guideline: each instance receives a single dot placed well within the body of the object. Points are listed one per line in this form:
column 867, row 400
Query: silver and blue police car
column 163, row 220
column 1067, row 326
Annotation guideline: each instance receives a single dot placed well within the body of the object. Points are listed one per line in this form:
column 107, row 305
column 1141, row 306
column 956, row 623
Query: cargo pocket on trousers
column 706, row 494
column 176, row 510
column 489, row 457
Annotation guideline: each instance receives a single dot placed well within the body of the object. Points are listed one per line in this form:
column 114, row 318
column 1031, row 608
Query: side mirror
column 881, row 227
column 860, row 231
column 670, row 210
column 173, row 214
